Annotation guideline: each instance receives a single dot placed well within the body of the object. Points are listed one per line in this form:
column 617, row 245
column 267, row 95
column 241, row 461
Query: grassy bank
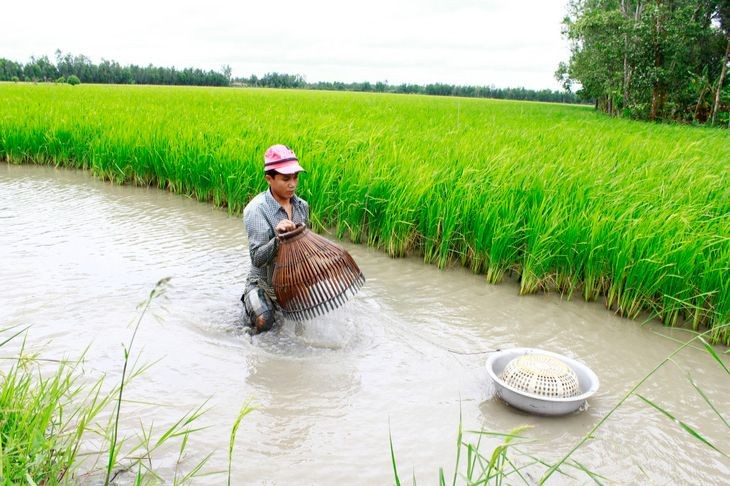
column 40, row 426
column 631, row 213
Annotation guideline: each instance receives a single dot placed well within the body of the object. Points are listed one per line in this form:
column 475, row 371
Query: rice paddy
column 557, row 196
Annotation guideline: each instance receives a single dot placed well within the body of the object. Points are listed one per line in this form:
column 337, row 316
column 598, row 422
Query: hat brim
column 288, row 167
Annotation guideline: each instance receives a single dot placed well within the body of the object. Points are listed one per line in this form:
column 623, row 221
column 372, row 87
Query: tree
column 227, row 72
column 723, row 17
column 109, row 71
column 597, row 41
column 10, row 70
column 645, row 58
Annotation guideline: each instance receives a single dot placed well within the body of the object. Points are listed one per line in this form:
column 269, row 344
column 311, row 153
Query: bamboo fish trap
column 312, row 275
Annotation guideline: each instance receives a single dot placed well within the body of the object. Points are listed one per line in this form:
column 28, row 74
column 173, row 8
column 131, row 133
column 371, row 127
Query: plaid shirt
column 260, row 217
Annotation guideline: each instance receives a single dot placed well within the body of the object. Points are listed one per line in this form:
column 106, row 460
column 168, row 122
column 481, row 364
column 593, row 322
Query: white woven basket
column 535, row 397
column 541, row 374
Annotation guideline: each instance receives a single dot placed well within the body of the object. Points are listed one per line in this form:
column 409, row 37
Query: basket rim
column 287, row 235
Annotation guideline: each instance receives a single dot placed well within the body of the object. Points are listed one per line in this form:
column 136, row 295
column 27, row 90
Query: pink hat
column 281, row 159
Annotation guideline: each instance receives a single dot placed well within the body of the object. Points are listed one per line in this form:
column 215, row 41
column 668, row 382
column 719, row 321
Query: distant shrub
column 61, row 80
column 73, row 80
column 14, row 79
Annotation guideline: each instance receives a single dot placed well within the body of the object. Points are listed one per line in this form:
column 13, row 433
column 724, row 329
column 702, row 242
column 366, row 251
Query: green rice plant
column 43, row 417
column 505, row 463
column 246, row 408
column 114, row 439
column 634, row 214
column 140, row 455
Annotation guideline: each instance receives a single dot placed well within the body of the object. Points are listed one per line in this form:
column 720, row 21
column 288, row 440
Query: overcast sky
column 479, row 42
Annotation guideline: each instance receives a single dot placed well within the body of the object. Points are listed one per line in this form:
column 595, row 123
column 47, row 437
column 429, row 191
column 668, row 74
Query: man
column 276, row 210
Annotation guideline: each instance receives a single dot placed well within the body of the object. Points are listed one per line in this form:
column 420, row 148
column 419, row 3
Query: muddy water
column 78, row 255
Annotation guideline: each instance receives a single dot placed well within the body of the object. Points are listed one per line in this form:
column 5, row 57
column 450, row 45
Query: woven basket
column 312, row 275
column 541, row 374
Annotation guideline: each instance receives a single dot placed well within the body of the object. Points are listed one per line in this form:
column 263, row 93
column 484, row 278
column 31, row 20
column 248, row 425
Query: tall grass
column 635, row 214
column 47, row 416
column 140, row 456
column 42, row 419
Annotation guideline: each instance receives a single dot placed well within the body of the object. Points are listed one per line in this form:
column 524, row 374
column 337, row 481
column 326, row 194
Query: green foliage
column 649, row 60
column 140, row 456
column 111, row 72
column 629, row 213
column 246, row 408
column 493, row 467
column 60, row 80
column 45, row 415
column 73, row 80
column 42, row 418
column 14, row 79
column 108, row 72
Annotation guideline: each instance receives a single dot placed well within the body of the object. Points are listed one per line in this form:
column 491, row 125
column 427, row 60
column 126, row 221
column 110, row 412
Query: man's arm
column 262, row 245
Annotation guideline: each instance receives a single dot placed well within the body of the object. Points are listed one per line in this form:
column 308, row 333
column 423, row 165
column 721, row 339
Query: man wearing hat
column 276, row 210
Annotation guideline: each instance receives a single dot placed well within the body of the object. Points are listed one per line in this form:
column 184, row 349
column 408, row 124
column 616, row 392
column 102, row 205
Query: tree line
column 651, row 59
column 282, row 80
column 42, row 69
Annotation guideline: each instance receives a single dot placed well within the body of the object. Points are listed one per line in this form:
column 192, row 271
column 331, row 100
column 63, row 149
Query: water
column 404, row 357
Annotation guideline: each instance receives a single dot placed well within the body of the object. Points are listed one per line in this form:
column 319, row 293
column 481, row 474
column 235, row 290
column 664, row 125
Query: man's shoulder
column 257, row 201
column 256, row 205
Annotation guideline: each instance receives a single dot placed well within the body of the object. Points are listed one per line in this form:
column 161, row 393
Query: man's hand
column 284, row 226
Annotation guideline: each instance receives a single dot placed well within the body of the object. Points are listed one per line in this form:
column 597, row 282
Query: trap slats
column 312, row 275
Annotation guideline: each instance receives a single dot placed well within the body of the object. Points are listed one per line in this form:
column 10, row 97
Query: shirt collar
column 271, row 201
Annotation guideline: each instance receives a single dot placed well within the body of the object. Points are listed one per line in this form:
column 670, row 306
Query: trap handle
column 287, row 235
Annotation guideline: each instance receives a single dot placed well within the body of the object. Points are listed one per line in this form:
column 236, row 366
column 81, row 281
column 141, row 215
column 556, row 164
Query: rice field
column 632, row 214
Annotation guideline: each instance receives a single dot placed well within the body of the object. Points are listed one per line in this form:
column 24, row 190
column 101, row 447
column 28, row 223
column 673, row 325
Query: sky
column 464, row 42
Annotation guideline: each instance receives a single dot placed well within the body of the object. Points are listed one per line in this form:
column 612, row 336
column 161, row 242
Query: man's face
column 283, row 185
